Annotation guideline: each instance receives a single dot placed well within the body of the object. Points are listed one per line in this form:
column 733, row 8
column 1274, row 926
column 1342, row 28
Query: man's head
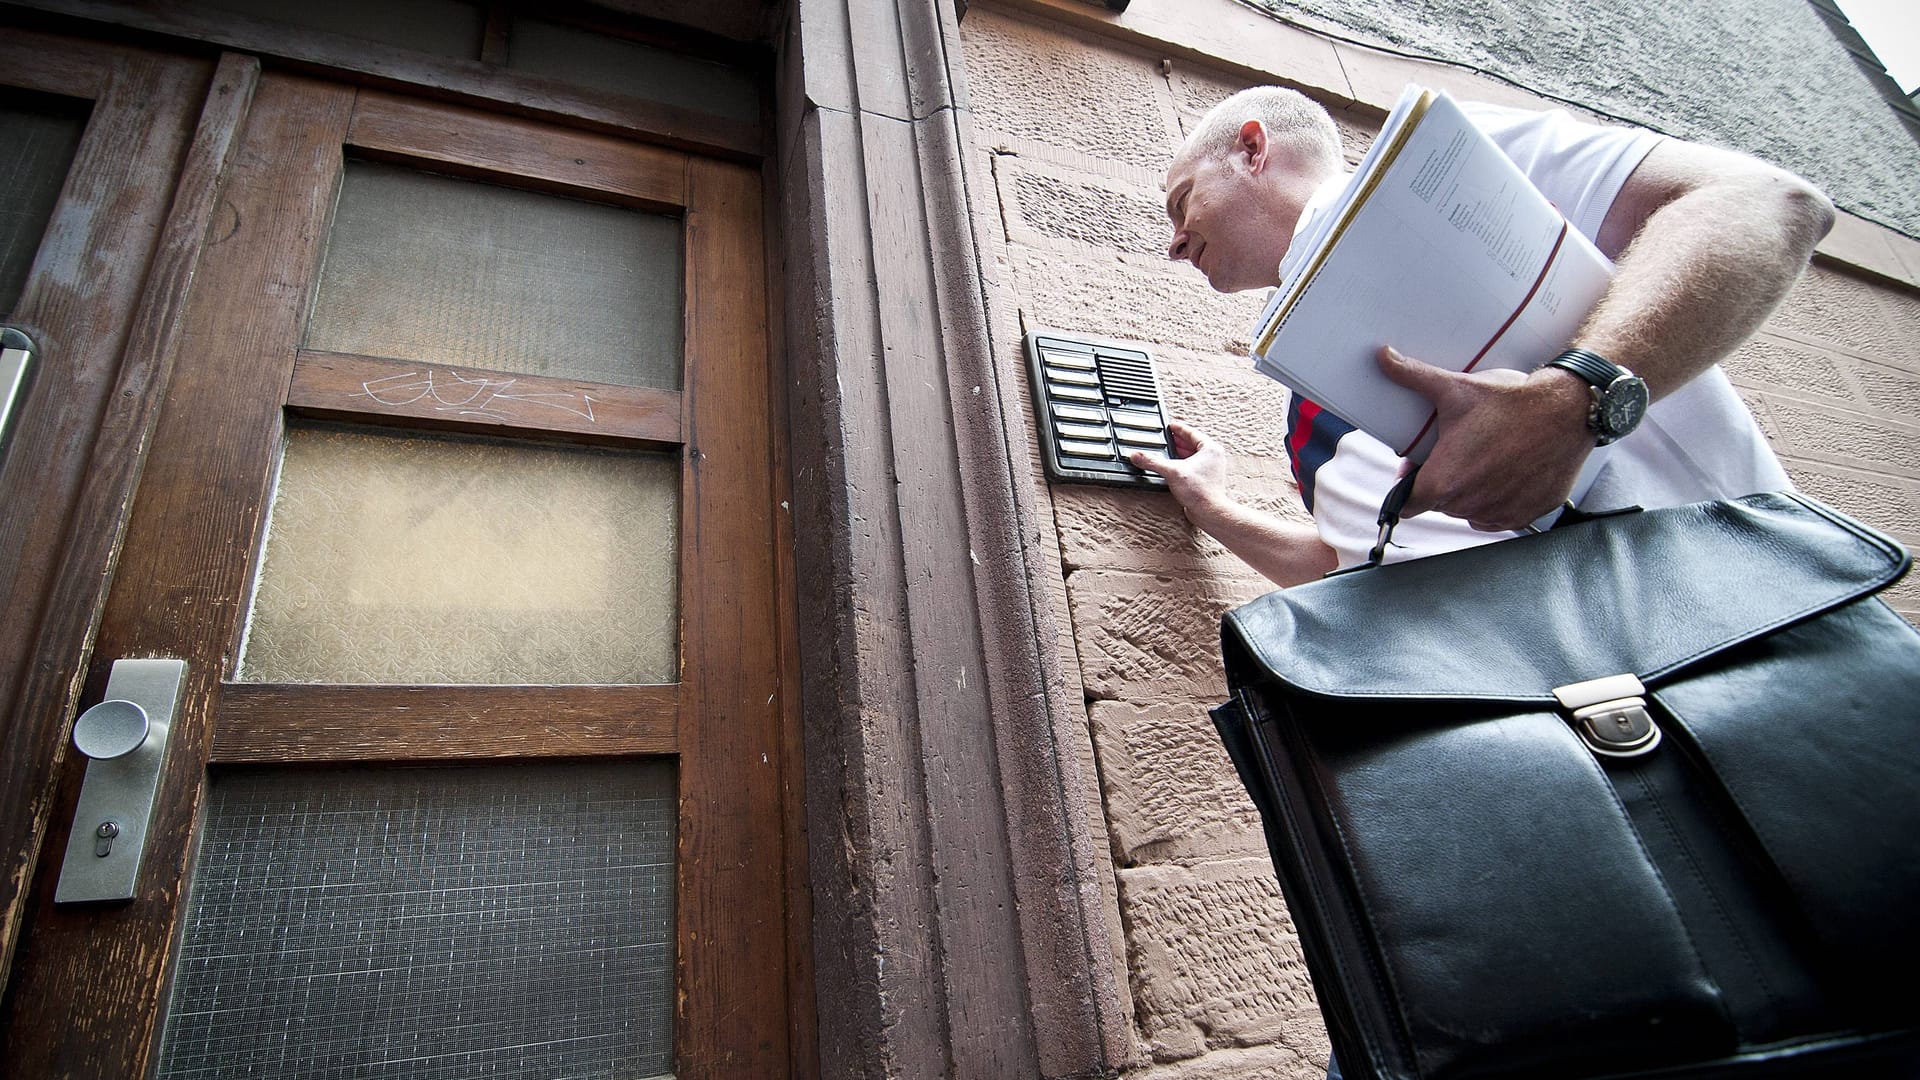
column 1236, row 187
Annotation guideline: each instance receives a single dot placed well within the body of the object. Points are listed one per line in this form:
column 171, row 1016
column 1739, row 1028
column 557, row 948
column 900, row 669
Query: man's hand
column 1286, row 552
column 1510, row 445
column 1196, row 474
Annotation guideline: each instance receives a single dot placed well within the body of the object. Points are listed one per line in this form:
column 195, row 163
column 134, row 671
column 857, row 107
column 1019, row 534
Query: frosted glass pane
column 432, row 924
column 438, row 270
column 419, row 560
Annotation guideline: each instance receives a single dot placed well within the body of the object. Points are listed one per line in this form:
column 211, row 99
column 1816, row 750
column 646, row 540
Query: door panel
column 244, row 380
column 407, row 558
column 370, row 904
column 599, row 286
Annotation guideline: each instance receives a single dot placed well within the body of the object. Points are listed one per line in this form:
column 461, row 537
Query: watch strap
column 1589, row 365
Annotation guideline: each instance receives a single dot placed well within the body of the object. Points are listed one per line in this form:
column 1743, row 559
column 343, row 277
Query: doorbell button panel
column 1095, row 400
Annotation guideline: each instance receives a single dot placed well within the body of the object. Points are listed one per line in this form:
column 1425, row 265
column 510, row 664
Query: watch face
column 1621, row 406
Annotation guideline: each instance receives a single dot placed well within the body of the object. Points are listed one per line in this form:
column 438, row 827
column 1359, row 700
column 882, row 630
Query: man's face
column 1221, row 223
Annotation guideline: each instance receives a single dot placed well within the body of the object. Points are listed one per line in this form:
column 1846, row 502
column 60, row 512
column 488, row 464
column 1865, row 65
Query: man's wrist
column 1210, row 509
column 1617, row 397
column 1564, row 401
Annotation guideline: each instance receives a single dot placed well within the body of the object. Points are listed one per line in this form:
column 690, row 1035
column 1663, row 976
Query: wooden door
column 329, row 378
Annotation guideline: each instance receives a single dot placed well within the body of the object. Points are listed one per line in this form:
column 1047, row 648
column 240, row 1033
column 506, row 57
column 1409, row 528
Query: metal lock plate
column 1611, row 715
column 1618, row 728
column 125, row 738
column 16, row 378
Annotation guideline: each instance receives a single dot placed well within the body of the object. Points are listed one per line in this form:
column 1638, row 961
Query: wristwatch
column 1619, row 396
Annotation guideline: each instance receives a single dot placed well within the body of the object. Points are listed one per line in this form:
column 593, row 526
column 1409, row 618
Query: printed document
column 1439, row 246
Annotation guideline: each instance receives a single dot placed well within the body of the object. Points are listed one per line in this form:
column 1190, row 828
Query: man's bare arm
column 1284, row 552
column 1707, row 243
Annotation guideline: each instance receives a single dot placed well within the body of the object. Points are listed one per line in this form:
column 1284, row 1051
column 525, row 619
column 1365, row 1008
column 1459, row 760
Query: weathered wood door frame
column 103, row 304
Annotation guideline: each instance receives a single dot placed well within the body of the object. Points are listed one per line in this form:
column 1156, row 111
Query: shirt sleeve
column 1580, row 167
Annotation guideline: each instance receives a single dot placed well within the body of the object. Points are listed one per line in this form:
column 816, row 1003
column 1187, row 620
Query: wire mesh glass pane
column 497, row 921
column 417, row 559
column 41, row 133
column 439, row 270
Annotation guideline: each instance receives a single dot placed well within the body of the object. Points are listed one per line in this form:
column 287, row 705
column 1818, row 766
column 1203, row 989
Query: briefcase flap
column 1644, row 593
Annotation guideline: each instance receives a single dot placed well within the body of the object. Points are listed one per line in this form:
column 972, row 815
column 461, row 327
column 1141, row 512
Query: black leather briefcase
column 1634, row 797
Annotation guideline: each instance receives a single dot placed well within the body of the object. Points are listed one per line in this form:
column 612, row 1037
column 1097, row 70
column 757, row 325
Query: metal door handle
column 16, row 375
column 125, row 740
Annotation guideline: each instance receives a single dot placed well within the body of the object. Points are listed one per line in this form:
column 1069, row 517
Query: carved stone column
column 953, row 835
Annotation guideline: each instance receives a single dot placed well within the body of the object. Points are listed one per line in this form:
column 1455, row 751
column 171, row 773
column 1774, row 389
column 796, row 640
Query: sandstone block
column 1907, row 251
column 1864, row 319
column 1111, row 529
column 1756, row 403
column 1775, row 364
column 1237, row 405
column 1195, row 90
column 1901, row 309
column 1215, row 959
column 1356, row 136
column 1172, row 793
column 1034, row 83
column 1153, row 638
column 1890, row 389
column 1045, row 206
column 1880, row 501
column 1849, row 438
column 1133, row 299
column 1864, row 244
column 1275, row 1062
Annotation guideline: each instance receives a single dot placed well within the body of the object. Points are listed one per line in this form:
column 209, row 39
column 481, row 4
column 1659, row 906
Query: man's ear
column 1251, row 145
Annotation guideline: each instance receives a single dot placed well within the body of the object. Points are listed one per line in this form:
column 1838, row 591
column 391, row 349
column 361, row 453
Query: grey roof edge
column 1869, row 64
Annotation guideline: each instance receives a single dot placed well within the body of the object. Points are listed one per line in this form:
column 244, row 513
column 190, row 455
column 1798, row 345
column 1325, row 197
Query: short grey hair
column 1292, row 119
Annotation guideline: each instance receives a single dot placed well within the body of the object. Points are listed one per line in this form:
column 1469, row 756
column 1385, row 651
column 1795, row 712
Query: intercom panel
column 1095, row 401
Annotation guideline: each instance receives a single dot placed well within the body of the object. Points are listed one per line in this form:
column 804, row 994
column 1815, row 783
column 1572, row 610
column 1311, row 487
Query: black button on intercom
column 1095, row 400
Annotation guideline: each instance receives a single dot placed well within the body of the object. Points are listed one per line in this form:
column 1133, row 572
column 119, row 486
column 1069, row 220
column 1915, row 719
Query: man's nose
column 1181, row 246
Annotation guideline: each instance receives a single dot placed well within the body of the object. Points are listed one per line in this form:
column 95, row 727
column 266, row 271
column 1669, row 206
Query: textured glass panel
column 417, row 559
column 40, row 133
column 438, row 270
column 440, row 27
column 505, row 921
column 628, row 67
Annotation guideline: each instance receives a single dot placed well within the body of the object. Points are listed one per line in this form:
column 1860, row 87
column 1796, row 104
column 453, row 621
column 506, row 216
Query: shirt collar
column 1317, row 204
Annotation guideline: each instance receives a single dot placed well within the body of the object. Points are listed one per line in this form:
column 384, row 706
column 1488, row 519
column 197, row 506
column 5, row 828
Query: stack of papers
column 1439, row 246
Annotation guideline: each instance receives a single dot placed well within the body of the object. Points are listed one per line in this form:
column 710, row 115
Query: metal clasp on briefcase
column 1611, row 715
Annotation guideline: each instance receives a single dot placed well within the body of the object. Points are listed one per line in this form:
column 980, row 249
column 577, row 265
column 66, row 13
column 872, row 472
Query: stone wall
column 1076, row 231
column 1072, row 132
column 1834, row 379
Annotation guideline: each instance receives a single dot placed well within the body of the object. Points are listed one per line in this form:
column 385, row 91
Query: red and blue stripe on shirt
column 1312, row 436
